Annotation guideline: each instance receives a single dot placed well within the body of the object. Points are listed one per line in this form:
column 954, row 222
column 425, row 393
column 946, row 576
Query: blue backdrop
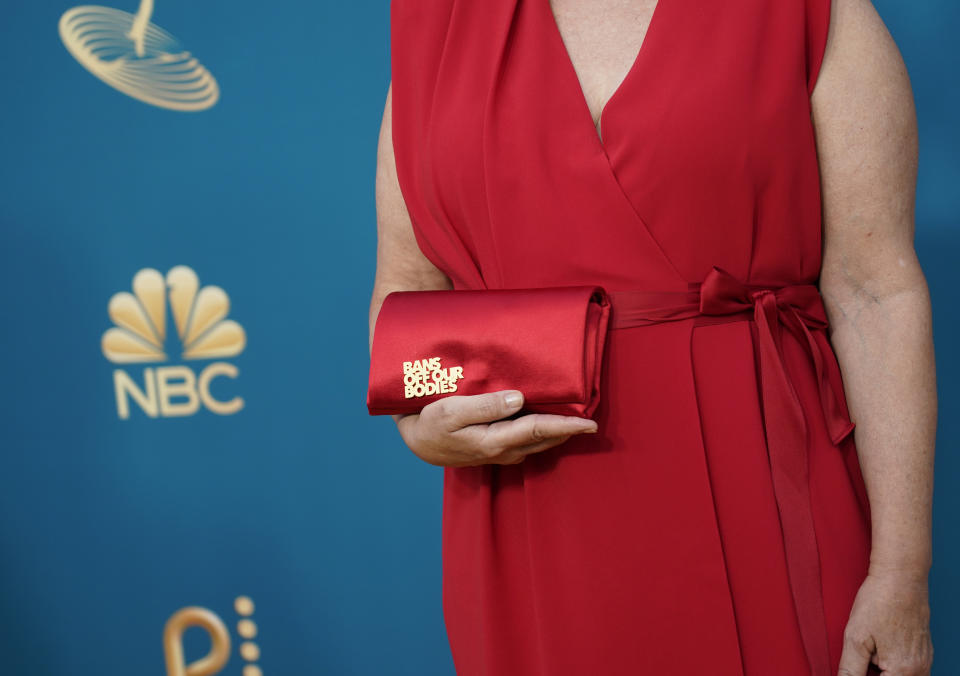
column 299, row 523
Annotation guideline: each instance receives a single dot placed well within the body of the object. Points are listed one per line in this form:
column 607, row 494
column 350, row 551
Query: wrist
column 912, row 569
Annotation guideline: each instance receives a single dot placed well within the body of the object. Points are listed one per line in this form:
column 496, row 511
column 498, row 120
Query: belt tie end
column 798, row 308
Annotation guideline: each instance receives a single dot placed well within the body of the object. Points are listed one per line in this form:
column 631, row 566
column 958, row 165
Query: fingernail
column 590, row 428
column 513, row 399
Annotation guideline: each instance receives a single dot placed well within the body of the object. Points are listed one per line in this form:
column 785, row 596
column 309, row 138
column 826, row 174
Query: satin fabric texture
column 546, row 342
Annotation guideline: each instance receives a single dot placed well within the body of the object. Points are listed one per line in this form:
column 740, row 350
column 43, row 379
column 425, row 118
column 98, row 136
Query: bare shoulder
column 860, row 53
column 864, row 120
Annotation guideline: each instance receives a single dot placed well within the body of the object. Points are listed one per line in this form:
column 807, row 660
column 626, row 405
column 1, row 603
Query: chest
column 705, row 124
column 602, row 39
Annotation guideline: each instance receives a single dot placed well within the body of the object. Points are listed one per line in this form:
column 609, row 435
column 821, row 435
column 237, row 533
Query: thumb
column 462, row 410
column 855, row 657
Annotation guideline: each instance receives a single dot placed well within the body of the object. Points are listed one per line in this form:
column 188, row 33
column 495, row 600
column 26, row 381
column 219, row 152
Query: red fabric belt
column 799, row 308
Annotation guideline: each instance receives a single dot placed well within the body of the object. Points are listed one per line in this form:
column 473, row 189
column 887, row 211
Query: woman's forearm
column 882, row 335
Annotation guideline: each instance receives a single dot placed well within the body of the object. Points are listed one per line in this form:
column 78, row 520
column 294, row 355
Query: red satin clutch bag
column 547, row 342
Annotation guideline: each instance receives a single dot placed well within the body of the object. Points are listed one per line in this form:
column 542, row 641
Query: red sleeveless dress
column 718, row 521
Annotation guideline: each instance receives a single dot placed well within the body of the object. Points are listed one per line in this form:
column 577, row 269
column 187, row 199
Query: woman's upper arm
column 866, row 133
column 401, row 265
column 400, row 262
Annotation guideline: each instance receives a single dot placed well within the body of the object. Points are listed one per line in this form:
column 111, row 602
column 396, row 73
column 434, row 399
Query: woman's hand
column 889, row 625
column 466, row 430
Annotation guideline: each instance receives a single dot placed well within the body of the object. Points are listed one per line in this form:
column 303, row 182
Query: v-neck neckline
column 597, row 128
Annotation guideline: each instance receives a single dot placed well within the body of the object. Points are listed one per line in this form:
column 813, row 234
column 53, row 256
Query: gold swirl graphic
column 137, row 57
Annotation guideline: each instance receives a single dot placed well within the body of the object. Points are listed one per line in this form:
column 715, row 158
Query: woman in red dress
column 718, row 519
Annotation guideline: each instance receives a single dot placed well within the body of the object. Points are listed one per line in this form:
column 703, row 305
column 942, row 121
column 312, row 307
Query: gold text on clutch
column 424, row 377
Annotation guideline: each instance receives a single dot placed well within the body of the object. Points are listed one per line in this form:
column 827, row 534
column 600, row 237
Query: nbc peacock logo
column 139, row 335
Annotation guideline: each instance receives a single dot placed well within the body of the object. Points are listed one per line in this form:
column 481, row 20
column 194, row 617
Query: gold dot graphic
column 247, row 628
column 243, row 605
column 252, row 670
column 250, row 651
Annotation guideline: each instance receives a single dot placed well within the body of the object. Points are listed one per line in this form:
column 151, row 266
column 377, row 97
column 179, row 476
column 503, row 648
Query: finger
column 458, row 411
column 855, row 657
column 406, row 424
column 534, row 428
column 518, row 454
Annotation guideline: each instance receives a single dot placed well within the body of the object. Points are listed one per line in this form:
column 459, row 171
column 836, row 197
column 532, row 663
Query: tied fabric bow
column 799, row 308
